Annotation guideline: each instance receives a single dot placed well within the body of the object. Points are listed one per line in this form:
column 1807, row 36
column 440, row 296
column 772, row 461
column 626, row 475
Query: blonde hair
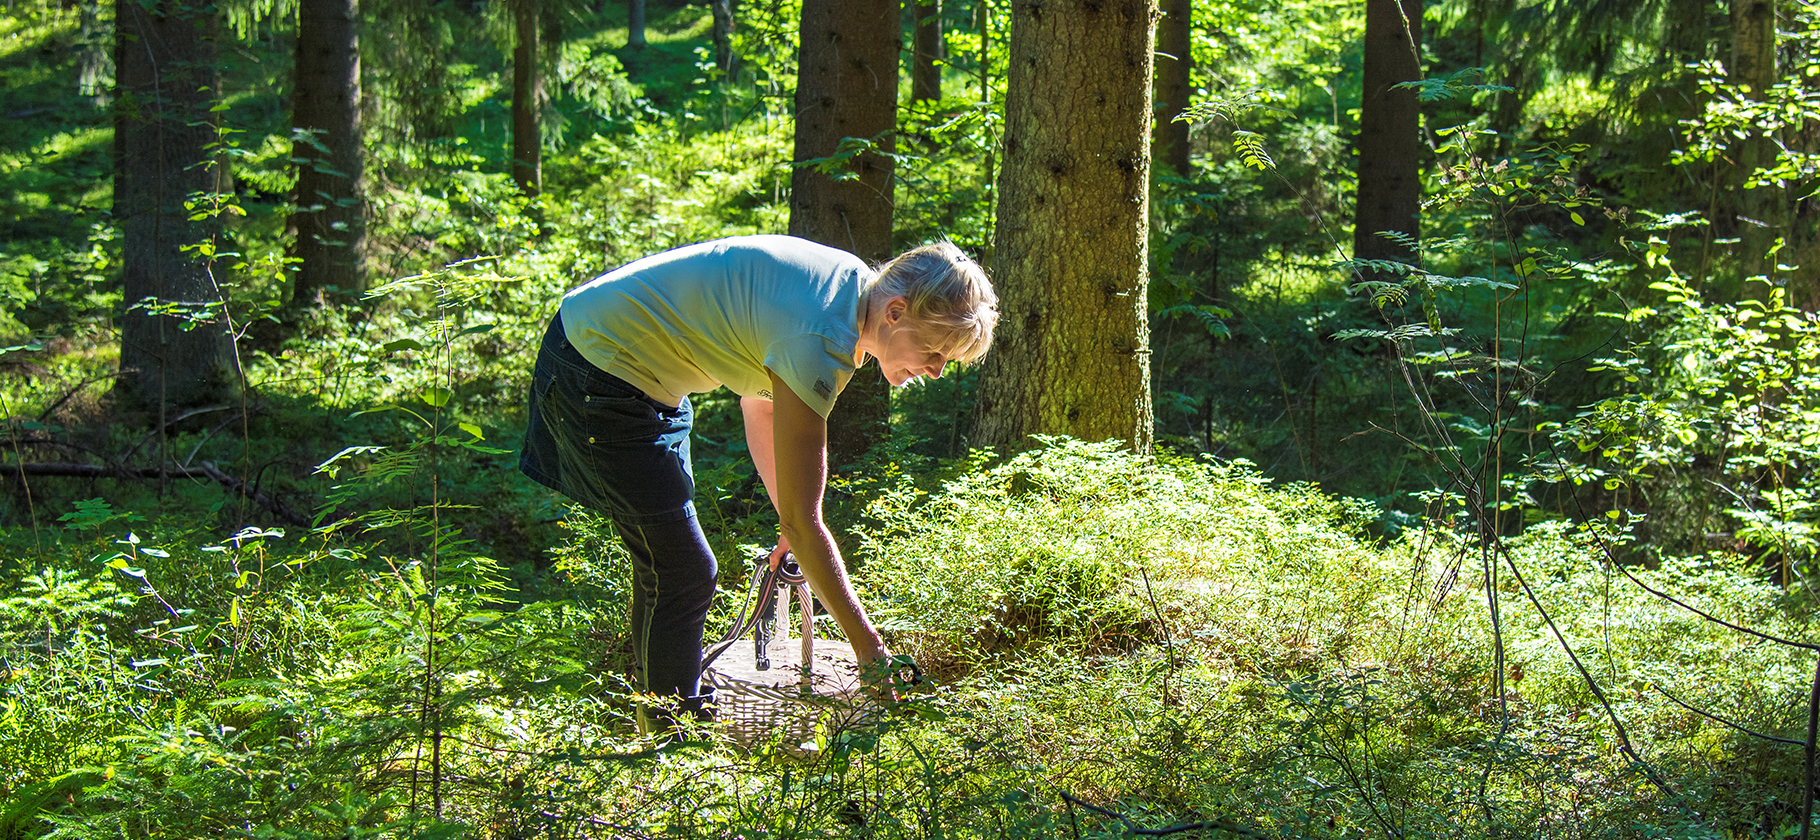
column 948, row 292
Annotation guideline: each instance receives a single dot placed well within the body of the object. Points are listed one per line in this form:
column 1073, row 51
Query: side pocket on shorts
column 596, row 413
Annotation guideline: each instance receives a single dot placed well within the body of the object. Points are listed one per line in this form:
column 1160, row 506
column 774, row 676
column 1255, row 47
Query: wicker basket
column 784, row 703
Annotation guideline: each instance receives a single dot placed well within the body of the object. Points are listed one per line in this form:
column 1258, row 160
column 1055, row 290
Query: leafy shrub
column 1072, row 543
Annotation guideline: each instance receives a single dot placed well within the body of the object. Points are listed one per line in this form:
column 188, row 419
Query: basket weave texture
column 755, row 707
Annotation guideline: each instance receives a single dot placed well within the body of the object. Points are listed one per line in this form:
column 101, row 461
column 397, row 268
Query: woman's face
column 907, row 349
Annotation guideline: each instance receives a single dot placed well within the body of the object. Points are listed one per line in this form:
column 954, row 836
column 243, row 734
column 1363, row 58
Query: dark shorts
column 600, row 441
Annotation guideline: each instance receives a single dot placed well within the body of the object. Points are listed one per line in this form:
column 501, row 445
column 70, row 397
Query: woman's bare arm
column 798, row 461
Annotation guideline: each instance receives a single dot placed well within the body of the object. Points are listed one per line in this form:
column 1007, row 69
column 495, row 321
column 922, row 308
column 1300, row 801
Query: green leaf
column 1251, row 150
column 401, row 344
column 471, row 429
column 438, row 396
column 329, row 465
column 1576, row 218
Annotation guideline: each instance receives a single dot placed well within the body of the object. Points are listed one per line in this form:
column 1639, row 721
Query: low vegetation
column 1171, row 640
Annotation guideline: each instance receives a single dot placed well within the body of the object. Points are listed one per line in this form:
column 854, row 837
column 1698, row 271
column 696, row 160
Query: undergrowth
column 1167, row 639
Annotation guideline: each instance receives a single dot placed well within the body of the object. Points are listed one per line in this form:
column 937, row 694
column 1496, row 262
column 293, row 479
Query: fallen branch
column 207, row 470
column 1227, row 826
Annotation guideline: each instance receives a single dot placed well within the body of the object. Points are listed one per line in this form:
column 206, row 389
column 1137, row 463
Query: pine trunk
column 1174, row 85
column 1390, row 140
column 926, row 50
column 330, row 219
column 527, row 145
column 1072, row 355
column 847, row 87
column 166, row 78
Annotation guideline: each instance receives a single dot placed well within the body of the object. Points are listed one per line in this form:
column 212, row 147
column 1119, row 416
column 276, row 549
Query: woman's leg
column 673, row 573
column 607, row 445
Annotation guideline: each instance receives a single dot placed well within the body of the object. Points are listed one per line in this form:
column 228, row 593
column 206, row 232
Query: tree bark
column 527, row 95
column 95, row 73
column 1072, row 355
column 635, row 24
column 1174, row 85
column 926, row 49
column 1390, row 140
column 331, row 187
column 166, row 80
column 1804, row 215
column 1753, row 65
column 723, row 35
column 846, row 86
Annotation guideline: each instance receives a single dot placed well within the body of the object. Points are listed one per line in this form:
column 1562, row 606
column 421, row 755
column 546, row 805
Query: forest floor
column 1167, row 640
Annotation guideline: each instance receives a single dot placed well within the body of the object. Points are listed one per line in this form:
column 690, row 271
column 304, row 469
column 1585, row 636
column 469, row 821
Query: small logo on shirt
column 764, row 393
column 823, row 389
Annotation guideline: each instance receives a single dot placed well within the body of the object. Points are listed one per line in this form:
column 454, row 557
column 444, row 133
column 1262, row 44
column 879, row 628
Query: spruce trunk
column 1174, row 85
column 926, row 50
column 330, row 218
column 1390, row 140
column 722, row 10
column 527, row 145
column 1072, row 355
column 1804, row 215
column 175, row 349
column 846, row 86
column 1757, row 212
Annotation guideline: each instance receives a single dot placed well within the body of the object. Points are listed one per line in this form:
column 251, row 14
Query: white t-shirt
column 722, row 313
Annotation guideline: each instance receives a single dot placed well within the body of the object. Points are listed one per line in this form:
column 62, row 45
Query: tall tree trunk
column 325, row 118
column 527, row 91
column 635, row 24
column 846, row 86
column 723, row 35
column 982, row 23
column 175, row 355
column 95, row 74
column 1174, row 85
column 1072, row 354
column 1390, row 140
column 1753, row 65
column 1804, row 212
column 926, row 50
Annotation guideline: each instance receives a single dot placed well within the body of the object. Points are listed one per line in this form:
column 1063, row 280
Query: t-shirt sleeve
column 812, row 367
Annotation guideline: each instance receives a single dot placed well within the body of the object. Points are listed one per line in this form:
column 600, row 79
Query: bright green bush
column 1089, row 547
